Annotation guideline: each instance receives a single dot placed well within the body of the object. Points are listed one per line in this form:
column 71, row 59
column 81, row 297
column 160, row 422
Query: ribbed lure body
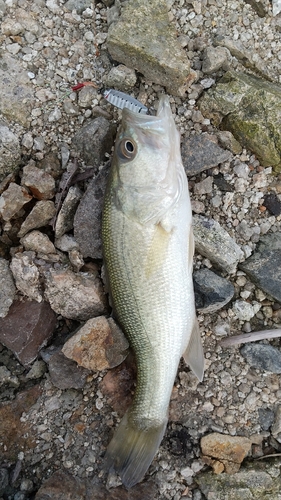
column 122, row 100
column 148, row 252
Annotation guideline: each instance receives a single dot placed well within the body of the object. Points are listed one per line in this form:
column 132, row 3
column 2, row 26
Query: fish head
column 147, row 163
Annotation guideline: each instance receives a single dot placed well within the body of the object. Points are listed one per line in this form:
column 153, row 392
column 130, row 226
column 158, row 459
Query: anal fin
column 194, row 355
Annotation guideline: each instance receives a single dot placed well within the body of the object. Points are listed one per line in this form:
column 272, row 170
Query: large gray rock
column 250, row 108
column 16, row 91
column 200, row 153
column 9, row 152
column 87, row 220
column 145, row 39
column 264, row 266
column 93, row 140
column 214, row 242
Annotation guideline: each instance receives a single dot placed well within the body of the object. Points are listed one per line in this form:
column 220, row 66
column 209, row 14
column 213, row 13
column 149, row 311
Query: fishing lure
column 122, row 100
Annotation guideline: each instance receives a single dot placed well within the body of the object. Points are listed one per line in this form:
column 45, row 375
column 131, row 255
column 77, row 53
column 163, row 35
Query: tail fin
column 131, row 450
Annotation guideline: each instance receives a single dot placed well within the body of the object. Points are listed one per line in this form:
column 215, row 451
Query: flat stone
column 26, row 328
column 228, row 141
column 26, row 275
column 228, row 450
column 258, row 480
column 87, row 220
column 93, row 140
column 10, row 154
column 264, row 266
column 262, row 356
column 65, row 374
column 212, row 292
column 212, row 241
column 12, row 200
column 249, row 107
column 145, row 39
column 98, row 345
column 65, row 218
column 41, row 184
column 16, row 91
column 7, row 288
column 205, row 186
column 200, row 153
column 40, row 216
column 62, row 486
column 17, row 435
column 75, row 295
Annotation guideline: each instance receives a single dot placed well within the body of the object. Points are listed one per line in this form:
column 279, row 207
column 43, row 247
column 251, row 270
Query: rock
column 7, row 378
column 12, row 200
column 229, row 451
column 87, row 220
column 16, row 91
column 15, row 434
column 65, row 218
column 212, row 241
column 228, row 141
column 266, row 418
column 205, row 186
column 248, row 58
column 212, row 291
column 118, row 385
column 75, row 295
column 27, row 327
column 40, row 183
column 215, row 58
column 86, row 96
column 121, row 78
column 93, row 140
column 7, row 288
column 10, row 155
column 200, row 153
column 259, row 6
column 276, row 7
column 264, row 265
column 62, row 486
column 4, row 480
column 78, row 5
column 76, row 259
column 65, row 374
column 98, row 345
column 245, row 311
column 26, row 275
column 262, row 356
column 37, row 370
column 40, row 216
column 66, row 243
column 145, row 39
column 38, row 242
column 272, row 203
column 276, row 427
column 256, row 481
column 248, row 107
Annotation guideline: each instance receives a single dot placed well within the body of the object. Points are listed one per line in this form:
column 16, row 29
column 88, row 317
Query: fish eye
column 127, row 149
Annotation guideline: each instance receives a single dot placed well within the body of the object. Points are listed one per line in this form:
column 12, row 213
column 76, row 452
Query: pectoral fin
column 194, row 355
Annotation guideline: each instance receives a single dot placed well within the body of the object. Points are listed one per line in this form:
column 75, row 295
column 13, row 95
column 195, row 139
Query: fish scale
column 148, row 250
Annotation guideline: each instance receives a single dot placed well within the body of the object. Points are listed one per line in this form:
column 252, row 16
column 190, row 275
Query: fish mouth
column 151, row 122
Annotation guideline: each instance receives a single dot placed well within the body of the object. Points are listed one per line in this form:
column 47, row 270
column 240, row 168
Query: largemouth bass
column 148, row 251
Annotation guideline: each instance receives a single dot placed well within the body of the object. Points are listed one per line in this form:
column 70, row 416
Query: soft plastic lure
column 122, row 100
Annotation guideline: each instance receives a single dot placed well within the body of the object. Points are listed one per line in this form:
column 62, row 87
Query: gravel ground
column 59, row 47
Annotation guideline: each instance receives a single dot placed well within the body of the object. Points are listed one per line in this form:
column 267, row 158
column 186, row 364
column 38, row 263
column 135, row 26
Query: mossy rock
column 250, row 108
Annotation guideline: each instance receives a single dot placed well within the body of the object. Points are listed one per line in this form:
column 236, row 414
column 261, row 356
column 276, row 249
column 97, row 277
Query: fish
column 148, row 249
